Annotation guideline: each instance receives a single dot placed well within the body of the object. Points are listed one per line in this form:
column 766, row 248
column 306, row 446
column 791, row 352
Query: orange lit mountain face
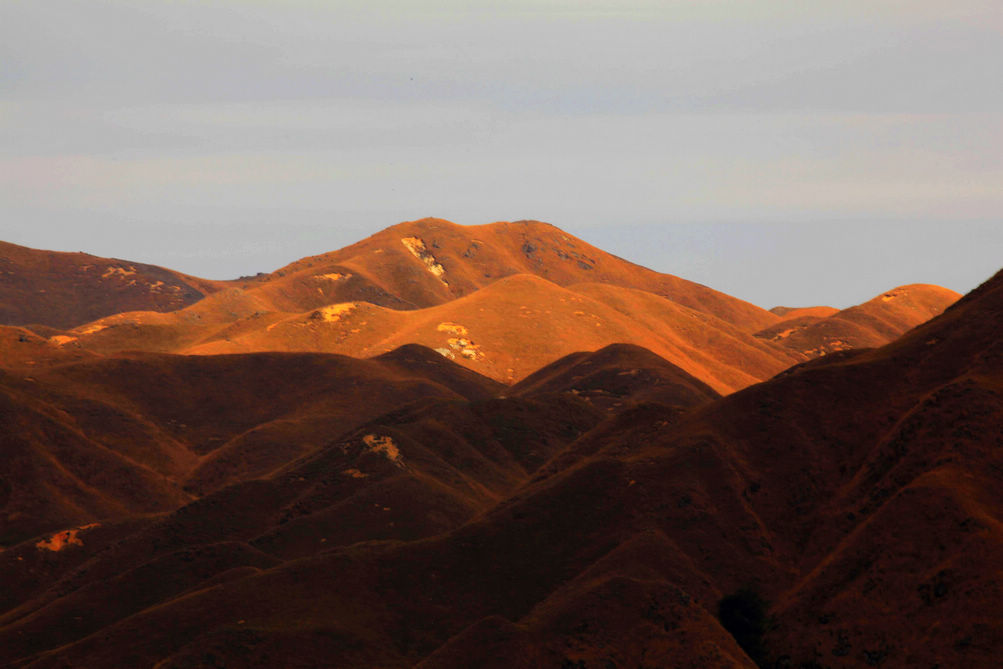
column 432, row 261
column 502, row 299
column 815, row 331
column 514, row 326
column 234, row 491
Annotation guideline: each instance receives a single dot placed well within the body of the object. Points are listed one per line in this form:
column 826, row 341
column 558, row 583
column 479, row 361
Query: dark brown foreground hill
column 112, row 437
column 856, row 495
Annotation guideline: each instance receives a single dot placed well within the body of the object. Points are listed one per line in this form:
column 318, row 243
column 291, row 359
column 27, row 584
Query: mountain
column 22, row 349
column 431, row 261
column 844, row 513
column 505, row 330
column 448, row 453
column 213, row 481
column 874, row 323
column 502, row 299
column 64, row 290
column 516, row 325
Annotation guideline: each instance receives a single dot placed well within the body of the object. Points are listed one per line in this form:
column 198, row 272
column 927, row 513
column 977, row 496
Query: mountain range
column 497, row 446
column 503, row 299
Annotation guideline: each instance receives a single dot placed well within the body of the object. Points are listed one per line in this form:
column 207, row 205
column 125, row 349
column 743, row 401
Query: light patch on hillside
column 334, row 312
column 828, row 346
column 91, row 329
column 785, row 334
column 333, row 276
column 417, row 248
column 452, row 328
column 61, row 340
column 61, row 540
column 385, row 446
column 461, row 343
column 118, row 271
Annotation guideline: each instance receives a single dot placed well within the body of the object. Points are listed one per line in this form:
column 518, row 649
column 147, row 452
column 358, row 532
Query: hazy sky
column 784, row 152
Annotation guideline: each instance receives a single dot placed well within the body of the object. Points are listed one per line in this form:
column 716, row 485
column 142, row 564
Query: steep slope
column 857, row 493
column 64, row 290
column 873, row 323
column 56, row 475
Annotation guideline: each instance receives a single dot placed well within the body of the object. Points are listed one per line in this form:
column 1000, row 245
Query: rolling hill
column 516, row 325
column 812, row 332
column 431, row 261
column 850, row 503
column 64, row 290
column 112, row 437
column 453, row 446
column 503, row 299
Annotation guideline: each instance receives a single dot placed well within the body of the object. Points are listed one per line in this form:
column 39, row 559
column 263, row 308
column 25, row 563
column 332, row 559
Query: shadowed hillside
column 64, row 290
column 854, row 496
column 112, row 437
column 615, row 375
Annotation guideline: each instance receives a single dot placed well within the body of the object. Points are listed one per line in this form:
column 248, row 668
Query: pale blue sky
column 786, row 153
